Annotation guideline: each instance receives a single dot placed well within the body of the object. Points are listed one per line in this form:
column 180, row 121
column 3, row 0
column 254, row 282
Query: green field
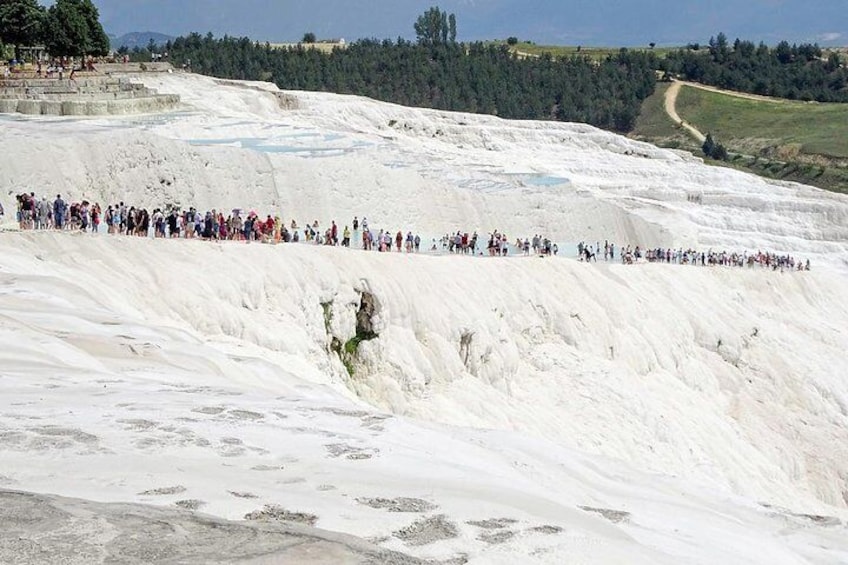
column 527, row 48
column 788, row 127
column 323, row 46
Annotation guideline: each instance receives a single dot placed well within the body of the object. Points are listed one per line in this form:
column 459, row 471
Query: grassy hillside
column 799, row 141
column 782, row 127
column 654, row 124
column 804, row 142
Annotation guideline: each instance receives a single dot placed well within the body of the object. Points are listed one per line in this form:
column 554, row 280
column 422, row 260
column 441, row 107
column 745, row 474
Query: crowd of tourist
column 35, row 213
column 497, row 244
column 680, row 256
column 236, row 225
column 57, row 67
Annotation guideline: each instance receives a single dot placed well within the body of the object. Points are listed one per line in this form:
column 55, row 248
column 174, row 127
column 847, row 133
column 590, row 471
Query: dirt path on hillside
column 671, row 110
column 525, row 55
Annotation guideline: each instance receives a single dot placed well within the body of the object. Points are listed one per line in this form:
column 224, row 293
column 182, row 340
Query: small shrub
column 327, row 307
column 719, row 152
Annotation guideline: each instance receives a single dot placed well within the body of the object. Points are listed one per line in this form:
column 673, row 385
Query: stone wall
column 88, row 96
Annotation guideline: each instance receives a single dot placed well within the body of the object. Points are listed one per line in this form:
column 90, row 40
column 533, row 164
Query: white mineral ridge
column 708, row 404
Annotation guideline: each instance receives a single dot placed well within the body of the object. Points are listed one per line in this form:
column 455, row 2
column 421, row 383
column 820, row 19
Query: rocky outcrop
column 368, row 308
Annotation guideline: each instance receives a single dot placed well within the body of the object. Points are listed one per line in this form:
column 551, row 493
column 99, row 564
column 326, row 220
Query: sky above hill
column 573, row 22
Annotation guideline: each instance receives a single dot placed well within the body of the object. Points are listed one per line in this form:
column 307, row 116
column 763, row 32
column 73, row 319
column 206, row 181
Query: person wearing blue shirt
column 59, row 212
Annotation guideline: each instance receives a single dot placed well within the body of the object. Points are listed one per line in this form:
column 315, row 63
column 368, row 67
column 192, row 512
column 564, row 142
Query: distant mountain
column 138, row 39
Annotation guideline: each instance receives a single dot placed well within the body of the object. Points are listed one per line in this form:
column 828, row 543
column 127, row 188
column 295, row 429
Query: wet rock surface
column 427, row 531
column 40, row 529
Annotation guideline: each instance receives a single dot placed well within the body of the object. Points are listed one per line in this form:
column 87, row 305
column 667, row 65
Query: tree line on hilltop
column 438, row 72
column 796, row 72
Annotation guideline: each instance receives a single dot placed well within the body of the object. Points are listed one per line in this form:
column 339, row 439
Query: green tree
column 833, row 62
column 435, row 27
column 73, row 29
column 709, row 145
column 719, row 153
column 714, row 149
column 512, row 40
column 784, row 52
column 21, row 23
column 719, row 48
column 66, row 31
column 98, row 41
column 308, row 37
